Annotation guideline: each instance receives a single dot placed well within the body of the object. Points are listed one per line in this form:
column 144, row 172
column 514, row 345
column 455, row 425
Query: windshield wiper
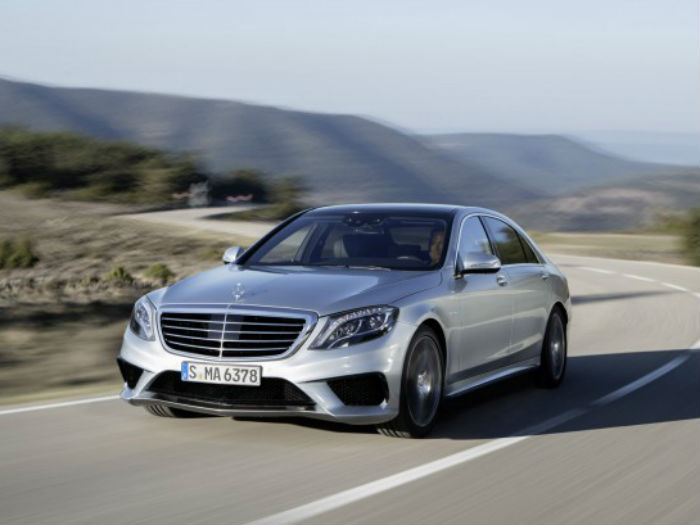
column 354, row 266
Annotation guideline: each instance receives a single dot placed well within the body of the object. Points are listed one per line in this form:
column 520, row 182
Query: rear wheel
column 166, row 411
column 554, row 352
column 421, row 388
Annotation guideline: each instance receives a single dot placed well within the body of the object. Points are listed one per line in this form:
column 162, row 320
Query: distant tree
column 85, row 168
column 241, row 182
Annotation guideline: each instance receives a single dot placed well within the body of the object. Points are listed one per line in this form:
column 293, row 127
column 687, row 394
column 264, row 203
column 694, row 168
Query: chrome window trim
column 310, row 320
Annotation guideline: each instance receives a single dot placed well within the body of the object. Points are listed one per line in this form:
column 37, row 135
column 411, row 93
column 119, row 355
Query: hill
column 624, row 205
column 341, row 157
column 547, row 164
column 546, row 181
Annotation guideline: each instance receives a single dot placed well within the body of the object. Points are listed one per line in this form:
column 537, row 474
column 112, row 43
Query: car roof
column 398, row 207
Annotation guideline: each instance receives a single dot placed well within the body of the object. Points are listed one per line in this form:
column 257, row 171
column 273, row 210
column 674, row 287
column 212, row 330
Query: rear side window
column 506, row 241
column 473, row 238
column 529, row 252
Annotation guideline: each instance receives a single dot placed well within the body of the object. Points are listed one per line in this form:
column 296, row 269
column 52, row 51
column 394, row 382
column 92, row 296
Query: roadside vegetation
column 686, row 226
column 75, row 167
column 17, row 253
column 635, row 246
column 69, row 275
column 286, row 200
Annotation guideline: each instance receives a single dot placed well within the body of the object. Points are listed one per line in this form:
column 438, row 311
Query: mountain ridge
column 342, row 156
column 543, row 180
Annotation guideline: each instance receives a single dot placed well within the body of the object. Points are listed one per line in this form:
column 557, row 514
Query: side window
column 473, row 238
column 529, row 252
column 506, row 242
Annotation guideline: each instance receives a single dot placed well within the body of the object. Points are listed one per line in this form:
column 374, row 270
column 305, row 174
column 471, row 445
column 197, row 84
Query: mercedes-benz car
column 362, row 314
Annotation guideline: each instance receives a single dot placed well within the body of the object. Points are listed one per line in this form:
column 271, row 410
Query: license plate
column 221, row 374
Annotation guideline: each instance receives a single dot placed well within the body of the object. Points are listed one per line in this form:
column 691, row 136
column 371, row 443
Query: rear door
column 528, row 285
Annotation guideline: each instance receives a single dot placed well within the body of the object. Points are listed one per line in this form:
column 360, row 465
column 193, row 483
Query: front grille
column 272, row 393
column 360, row 390
column 230, row 334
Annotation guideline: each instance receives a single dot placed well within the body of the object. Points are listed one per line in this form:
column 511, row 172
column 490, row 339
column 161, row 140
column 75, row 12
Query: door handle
column 502, row 281
column 544, row 276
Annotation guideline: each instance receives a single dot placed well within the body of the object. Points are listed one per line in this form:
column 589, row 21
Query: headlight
column 348, row 328
column 142, row 319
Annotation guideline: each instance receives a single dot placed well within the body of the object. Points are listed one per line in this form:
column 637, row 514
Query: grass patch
column 17, row 253
column 119, row 274
column 159, row 272
column 633, row 246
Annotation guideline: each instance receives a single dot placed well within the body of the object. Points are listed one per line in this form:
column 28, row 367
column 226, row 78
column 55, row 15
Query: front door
column 486, row 308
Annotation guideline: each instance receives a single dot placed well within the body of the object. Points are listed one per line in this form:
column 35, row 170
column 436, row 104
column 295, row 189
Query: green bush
column 119, row 274
column 690, row 234
column 286, row 200
column 159, row 272
column 17, row 253
column 42, row 164
column 241, row 182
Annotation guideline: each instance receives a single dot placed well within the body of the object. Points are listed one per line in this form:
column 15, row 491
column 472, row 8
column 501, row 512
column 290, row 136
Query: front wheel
column 554, row 352
column 421, row 388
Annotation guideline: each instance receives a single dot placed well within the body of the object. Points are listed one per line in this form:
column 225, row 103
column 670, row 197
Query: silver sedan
column 367, row 314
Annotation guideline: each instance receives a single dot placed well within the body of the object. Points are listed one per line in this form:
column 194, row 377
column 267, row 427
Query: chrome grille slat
column 205, row 321
column 263, row 349
column 219, row 330
column 230, row 333
column 216, row 349
column 218, row 339
column 198, row 321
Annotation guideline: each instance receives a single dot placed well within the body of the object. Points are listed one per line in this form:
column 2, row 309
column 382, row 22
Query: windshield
column 373, row 240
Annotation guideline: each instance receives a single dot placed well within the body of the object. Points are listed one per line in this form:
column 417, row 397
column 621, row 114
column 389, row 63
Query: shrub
column 241, row 182
column 17, row 253
column 690, row 234
column 119, row 274
column 41, row 164
column 159, row 272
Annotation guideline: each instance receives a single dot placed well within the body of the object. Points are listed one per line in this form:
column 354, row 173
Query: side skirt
column 477, row 381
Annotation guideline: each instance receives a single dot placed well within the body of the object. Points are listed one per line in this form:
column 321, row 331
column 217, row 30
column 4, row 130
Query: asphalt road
column 199, row 219
column 619, row 442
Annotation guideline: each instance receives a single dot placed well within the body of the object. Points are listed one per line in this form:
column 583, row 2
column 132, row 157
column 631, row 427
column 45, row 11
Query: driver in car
column 437, row 239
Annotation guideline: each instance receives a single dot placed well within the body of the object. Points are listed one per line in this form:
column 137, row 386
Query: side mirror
column 478, row 262
column 232, row 254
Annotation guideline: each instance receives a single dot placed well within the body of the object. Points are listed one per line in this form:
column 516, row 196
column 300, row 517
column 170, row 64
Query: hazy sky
column 507, row 65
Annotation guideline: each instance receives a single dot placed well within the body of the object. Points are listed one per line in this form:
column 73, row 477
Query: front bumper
column 308, row 370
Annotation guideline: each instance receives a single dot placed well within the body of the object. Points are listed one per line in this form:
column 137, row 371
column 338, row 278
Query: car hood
column 321, row 290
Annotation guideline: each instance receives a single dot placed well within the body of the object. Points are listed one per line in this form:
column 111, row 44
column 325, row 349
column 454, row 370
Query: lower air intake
column 130, row 373
column 360, row 390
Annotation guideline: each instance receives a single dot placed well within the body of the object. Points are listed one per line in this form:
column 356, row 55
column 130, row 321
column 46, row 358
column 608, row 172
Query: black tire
column 421, row 381
column 553, row 359
column 166, row 411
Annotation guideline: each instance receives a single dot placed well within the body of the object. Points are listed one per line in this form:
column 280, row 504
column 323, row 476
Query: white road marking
column 627, row 261
column 340, row 499
column 639, row 278
column 598, row 270
column 61, row 404
column 642, row 381
column 676, row 287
